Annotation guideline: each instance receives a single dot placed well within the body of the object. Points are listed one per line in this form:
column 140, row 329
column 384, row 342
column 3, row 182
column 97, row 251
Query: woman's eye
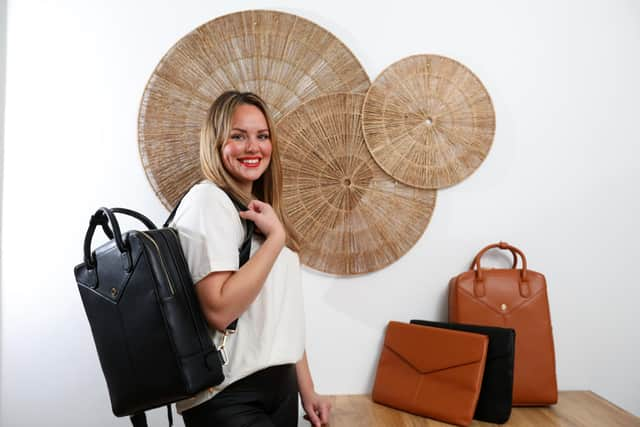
column 237, row 137
column 264, row 136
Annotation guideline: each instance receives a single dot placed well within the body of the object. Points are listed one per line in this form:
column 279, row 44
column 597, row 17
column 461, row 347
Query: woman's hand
column 265, row 218
column 317, row 408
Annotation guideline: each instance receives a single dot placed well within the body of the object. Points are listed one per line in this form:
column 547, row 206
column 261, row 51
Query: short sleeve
column 210, row 230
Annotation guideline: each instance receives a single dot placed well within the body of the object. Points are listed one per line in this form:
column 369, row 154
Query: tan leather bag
column 512, row 298
column 432, row 372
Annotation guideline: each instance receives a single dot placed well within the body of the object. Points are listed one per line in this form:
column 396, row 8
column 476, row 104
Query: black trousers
column 267, row 398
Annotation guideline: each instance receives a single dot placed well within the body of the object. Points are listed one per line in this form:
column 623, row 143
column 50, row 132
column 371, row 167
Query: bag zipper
column 221, row 347
column 164, row 268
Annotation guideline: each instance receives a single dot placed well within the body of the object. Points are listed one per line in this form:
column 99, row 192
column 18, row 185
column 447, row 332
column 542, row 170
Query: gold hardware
column 221, row 349
column 114, row 292
column 503, row 307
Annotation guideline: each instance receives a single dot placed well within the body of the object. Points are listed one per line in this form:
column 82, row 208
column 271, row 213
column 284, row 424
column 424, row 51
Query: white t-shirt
column 271, row 331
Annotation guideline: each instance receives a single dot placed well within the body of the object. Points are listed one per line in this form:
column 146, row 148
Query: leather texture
column 517, row 299
column 432, row 372
column 494, row 403
column 150, row 335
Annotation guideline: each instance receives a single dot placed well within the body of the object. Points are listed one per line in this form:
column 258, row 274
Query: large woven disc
column 428, row 121
column 352, row 217
column 283, row 58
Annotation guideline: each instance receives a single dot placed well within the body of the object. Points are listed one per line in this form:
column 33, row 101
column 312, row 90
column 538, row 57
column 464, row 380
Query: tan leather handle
column 513, row 266
column 479, row 289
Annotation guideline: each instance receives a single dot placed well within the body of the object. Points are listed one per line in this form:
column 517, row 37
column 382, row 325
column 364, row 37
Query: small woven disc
column 351, row 216
column 283, row 58
column 428, row 121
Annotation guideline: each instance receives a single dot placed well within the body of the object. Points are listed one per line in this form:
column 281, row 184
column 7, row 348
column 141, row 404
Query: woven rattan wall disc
column 428, row 121
column 283, row 58
column 351, row 216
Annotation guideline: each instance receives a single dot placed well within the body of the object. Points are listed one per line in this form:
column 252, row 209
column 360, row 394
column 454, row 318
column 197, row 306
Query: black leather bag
column 494, row 403
column 150, row 335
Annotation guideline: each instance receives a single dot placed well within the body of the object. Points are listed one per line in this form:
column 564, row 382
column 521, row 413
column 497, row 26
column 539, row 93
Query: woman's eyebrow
column 244, row 131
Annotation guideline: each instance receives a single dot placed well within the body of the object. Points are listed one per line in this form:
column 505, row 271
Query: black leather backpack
column 151, row 337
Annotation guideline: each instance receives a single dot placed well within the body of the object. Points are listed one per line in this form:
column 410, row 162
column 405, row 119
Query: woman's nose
column 252, row 145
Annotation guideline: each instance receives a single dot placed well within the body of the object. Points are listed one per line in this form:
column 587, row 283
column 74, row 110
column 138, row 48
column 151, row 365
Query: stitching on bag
column 429, row 372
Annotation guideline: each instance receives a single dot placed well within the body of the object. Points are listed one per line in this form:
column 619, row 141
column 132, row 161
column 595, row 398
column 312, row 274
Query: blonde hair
column 215, row 132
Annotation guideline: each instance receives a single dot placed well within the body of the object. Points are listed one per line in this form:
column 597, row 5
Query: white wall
column 3, row 66
column 561, row 182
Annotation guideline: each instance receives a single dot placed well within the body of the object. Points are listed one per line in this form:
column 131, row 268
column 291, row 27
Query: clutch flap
column 428, row 349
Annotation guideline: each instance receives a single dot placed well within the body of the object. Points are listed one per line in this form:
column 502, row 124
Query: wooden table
column 574, row 408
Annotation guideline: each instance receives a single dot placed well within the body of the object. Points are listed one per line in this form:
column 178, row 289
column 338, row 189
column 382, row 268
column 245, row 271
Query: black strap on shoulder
column 245, row 248
column 173, row 211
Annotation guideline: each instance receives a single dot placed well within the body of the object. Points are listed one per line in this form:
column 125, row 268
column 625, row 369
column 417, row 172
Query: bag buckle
column 221, row 349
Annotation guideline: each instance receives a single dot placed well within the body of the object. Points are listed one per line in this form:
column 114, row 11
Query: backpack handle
column 104, row 217
column 479, row 289
column 513, row 253
column 501, row 245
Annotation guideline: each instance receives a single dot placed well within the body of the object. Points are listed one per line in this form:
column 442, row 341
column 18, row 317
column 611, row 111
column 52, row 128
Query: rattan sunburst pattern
column 283, row 58
column 352, row 217
column 428, row 121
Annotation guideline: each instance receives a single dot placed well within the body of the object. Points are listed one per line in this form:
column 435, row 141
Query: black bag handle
column 104, row 217
column 137, row 215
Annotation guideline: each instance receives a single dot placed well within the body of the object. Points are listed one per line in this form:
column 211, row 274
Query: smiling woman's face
column 247, row 152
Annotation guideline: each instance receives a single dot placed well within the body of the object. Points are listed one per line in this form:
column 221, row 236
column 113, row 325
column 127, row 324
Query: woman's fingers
column 264, row 217
column 313, row 417
column 325, row 408
column 252, row 206
column 250, row 215
column 257, row 205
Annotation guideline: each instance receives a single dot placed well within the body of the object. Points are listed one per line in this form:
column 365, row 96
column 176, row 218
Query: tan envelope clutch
column 432, row 372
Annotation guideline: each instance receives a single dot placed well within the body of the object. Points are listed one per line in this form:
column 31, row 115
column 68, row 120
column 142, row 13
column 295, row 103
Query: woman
column 267, row 361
